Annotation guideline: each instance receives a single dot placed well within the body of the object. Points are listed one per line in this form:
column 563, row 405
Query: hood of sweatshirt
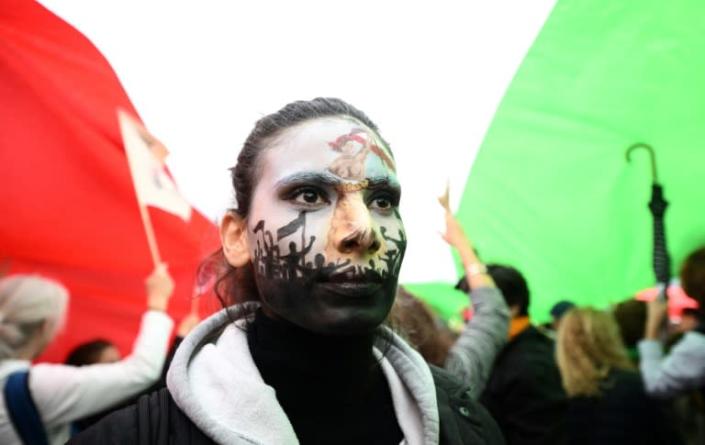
column 215, row 382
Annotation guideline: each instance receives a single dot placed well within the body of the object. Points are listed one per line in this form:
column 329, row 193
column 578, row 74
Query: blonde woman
column 607, row 402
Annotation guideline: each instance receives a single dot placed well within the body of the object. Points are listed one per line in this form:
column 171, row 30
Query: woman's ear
column 233, row 237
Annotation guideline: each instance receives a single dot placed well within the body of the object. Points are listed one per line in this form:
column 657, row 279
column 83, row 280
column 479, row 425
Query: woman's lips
column 353, row 275
column 353, row 289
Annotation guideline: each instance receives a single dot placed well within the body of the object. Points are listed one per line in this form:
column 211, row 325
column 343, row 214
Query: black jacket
column 621, row 414
column 524, row 394
column 156, row 420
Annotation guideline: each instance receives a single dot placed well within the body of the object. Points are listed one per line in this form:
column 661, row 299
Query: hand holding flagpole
column 160, row 287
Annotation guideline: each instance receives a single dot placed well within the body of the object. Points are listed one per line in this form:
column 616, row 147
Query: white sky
column 430, row 74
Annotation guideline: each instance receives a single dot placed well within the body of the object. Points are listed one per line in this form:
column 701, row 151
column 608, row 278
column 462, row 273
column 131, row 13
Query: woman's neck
column 331, row 388
column 303, row 354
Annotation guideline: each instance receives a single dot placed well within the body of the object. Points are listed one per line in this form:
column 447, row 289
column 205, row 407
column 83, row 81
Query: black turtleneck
column 331, row 387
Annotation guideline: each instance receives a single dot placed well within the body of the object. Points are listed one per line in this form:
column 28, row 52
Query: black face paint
column 320, row 295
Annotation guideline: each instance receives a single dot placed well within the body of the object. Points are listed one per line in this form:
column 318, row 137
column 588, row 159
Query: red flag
column 69, row 206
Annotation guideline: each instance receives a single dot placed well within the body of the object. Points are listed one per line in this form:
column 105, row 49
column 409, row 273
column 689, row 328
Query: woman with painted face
column 311, row 261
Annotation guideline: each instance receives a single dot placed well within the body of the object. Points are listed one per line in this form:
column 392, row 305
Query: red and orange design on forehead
column 354, row 148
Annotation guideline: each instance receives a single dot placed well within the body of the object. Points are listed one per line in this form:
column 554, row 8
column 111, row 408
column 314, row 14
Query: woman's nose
column 355, row 231
column 362, row 241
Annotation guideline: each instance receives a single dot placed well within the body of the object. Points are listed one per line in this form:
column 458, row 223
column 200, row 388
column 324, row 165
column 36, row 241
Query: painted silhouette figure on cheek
column 324, row 231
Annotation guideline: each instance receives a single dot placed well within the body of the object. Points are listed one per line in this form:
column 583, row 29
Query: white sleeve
column 683, row 368
column 65, row 393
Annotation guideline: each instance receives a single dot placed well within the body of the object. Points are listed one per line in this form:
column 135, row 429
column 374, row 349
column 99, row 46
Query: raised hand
column 656, row 311
column 160, row 287
column 455, row 236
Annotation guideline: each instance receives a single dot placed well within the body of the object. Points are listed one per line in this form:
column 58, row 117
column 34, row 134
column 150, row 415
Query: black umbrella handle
column 657, row 206
column 661, row 258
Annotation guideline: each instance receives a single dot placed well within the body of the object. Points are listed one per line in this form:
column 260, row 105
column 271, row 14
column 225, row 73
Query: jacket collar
column 215, row 382
column 518, row 325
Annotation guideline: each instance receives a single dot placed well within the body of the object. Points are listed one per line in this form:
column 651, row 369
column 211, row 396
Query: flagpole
column 195, row 294
column 194, row 304
column 149, row 231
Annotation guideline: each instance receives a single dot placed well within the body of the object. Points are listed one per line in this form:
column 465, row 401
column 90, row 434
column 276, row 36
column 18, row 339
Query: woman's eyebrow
column 382, row 182
column 323, row 178
column 329, row 179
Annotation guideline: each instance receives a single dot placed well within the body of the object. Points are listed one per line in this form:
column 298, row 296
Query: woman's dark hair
column 693, row 277
column 87, row 353
column 512, row 284
column 237, row 285
column 631, row 319
column 416, row 322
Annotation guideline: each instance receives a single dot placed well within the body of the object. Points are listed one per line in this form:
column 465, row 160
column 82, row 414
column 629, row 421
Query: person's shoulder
column 626, row 379
column 117, row 428
column 534, row 336
column 689, row 351
column 463, row 420
column 446, row 381
column 153, row 419
column 531, row 349
column 692, row 341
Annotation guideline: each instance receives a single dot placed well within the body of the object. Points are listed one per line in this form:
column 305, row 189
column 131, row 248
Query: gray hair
column 26, row 303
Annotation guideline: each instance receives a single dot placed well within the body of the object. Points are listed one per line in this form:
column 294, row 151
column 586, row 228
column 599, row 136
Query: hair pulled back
column 237, row 285
column 270, row 126
column 26, row 303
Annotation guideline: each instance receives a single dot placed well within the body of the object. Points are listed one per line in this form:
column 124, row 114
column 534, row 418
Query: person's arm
column 455, row 236
column 473, row 354
column 681, row 370
column 64, row 393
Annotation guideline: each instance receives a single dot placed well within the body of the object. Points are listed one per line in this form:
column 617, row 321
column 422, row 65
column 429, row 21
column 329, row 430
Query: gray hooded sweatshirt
column 215, row 382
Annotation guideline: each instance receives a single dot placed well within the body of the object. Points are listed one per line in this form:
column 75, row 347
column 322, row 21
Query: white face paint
column 324, row 217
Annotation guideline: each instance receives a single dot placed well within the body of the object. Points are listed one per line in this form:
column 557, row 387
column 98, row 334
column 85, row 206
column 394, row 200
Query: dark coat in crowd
column 156, row 420
column 229, row 368
column 622, row 414
column 525, row 394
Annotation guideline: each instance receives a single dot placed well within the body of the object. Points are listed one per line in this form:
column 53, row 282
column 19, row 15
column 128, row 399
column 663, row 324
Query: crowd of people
column 317, row 344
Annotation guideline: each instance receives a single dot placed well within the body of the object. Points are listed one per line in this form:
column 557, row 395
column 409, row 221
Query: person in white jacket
column 32, row 311
column 683, row 369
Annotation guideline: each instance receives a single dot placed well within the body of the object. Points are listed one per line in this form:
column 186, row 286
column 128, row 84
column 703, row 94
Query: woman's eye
column 381, row 203
column 309, row 197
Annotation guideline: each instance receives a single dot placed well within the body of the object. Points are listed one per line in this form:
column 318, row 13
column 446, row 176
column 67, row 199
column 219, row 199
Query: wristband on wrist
column 475, row 269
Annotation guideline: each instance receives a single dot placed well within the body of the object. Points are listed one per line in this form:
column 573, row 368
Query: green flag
column 551, row 192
